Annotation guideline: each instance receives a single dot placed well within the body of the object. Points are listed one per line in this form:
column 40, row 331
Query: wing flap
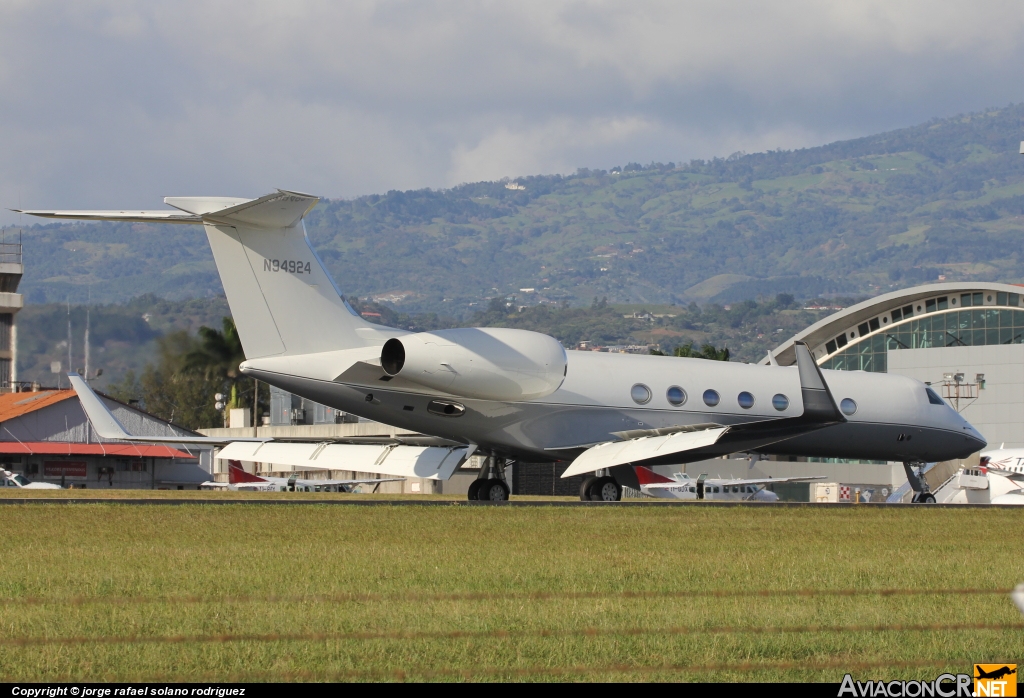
column 430, row 462
column 612, row 453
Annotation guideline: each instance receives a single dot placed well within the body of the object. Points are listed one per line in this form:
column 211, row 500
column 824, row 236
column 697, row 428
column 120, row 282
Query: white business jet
column 682, row 486
column 515, row 394
column 241, row 481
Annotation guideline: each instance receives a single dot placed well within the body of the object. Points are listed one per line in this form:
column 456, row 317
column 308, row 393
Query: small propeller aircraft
column 240, row 480
column 682, row 486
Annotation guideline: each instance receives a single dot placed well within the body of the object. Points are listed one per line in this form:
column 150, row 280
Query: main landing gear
column 915, row 475
column 600, row 489
column 490, row 485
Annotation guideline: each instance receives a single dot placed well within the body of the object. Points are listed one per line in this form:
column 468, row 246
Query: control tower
column 11, row 270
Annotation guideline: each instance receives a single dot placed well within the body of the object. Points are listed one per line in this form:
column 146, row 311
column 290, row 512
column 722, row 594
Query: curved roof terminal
column 829, row 335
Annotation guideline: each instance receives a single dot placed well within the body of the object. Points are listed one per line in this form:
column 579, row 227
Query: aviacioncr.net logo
column 944, row 686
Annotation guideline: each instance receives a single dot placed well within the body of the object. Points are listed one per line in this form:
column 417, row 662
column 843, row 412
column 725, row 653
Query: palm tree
column 217, row 359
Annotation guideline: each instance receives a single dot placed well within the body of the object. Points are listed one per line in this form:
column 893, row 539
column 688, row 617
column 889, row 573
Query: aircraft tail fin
column 646, row 476
column 283, row 300
column 237, row 474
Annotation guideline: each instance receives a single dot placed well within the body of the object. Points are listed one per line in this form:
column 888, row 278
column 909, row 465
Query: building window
column 874, row 324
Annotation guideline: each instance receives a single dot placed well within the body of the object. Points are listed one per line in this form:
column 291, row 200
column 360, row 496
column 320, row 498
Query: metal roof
column 832, row 325
column 13, row 405
column 67, row 448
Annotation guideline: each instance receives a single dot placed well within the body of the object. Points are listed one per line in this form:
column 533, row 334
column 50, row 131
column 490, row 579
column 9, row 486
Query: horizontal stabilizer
column 124, row 216
column 431, row 462
column 608, row 455
column 282, row 209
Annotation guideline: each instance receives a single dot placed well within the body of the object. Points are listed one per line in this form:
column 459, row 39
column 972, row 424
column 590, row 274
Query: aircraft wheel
column 605, row 489
column 927, row 498
column 585, row 486
column 474, row 490
column 493, row 491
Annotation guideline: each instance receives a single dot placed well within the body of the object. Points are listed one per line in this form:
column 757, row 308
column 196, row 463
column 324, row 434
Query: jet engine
column 487, row 363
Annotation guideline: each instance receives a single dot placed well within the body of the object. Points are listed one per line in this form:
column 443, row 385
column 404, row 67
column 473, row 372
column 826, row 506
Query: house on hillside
column 45, row 436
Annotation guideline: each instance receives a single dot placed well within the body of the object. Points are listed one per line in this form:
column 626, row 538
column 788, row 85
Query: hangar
column 45, row 436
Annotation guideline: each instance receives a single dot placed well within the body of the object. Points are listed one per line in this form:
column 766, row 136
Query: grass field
column 219, row 593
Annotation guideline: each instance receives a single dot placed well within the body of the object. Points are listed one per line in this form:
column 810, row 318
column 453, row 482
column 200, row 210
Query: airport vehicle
column 515, row 394
column 682, row 486
column 9, row 479
column 239, row 480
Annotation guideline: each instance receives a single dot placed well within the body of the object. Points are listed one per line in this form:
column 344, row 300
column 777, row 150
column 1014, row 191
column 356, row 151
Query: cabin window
column 640, row 393
column 848, row 406
column 780, row 402
column 711, row 398
column 745, row 399
column 676, row 395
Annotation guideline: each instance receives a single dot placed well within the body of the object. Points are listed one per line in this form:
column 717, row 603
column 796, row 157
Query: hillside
column 853, row 217
column 124, row 337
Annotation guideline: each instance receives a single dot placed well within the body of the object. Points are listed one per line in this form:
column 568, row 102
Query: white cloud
column 118, row 102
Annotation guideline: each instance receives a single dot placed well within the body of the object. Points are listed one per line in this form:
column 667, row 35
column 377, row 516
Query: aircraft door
column 700, row 485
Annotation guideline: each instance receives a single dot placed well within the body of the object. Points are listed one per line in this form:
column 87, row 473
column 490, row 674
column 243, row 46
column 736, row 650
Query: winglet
column 819, row 405
column 103, row 420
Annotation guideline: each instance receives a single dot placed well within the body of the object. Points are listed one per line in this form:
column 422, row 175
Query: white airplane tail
column 283, row 300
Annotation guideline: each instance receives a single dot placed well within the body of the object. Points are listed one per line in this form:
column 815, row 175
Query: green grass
column 439, row 591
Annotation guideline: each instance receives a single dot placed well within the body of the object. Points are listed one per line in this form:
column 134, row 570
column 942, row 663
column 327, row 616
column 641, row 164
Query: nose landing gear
column 915, row 475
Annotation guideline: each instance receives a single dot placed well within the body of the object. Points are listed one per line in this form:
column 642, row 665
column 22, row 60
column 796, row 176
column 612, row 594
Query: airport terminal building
column 965, row 339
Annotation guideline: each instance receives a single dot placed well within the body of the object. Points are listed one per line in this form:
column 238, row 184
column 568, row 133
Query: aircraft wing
column 431, row 462
column 107, row 426
column 673, row 445
column 642, row 449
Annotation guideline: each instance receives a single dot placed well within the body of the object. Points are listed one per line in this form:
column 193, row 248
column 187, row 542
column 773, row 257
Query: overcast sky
column 119, row 103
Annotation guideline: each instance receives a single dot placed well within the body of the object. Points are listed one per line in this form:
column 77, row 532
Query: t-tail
column 282, row 298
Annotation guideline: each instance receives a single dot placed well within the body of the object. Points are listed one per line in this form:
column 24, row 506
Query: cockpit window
column 20, row 480
column 933, row 397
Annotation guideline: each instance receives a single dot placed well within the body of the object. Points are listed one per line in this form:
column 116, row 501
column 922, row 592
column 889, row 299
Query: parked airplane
column 682, row 486
column 519, row 394
column 240, row 480
column 997, row 479
column 9, row 479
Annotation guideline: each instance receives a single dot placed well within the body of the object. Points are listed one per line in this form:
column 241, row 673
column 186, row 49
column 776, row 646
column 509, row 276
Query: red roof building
column 45, row 436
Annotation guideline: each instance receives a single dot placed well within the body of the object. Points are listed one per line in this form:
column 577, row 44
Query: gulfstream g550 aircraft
column 519, row 395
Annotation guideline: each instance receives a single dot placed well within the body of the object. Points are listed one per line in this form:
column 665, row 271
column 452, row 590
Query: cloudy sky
column 108, row 103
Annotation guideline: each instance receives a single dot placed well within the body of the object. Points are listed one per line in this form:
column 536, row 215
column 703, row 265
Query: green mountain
column 854, row 217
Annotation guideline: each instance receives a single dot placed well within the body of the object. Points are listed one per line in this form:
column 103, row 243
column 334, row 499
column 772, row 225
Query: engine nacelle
column 490, row 363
